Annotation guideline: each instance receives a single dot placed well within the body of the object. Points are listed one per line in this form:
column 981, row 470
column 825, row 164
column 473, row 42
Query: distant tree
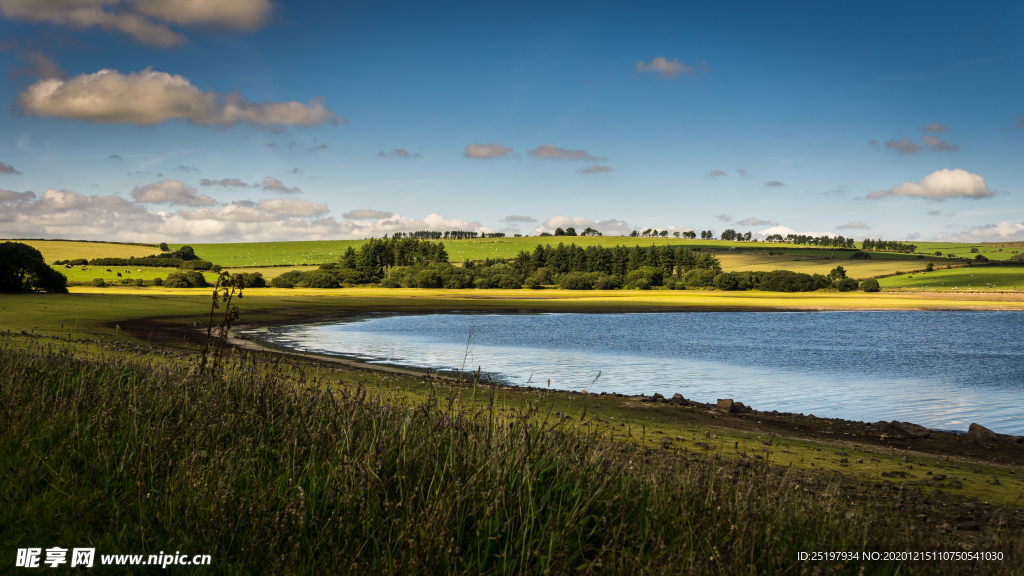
column 870, row 285
column 164, row 247
column 23, row 269
column 186, row 253
column 938, row 253
column 664, row 234
column 747, row 236
column 929, row 267
column 837, row 273
column 676, row 233
column 545, row 234
column 690, row 235
column 559, row 232
column 847, row 285
column 570, row 231
column 974, row 250
column 634, row 234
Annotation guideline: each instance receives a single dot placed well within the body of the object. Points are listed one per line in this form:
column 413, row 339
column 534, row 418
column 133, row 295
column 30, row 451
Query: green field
column 957, row 279
column 53, row 250
column 990, row 250
column 77, row 274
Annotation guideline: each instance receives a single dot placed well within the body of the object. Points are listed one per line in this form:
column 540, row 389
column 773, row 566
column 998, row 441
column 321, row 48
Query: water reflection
column 940, row 369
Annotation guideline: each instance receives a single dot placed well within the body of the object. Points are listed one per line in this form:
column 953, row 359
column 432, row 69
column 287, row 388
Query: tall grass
column 273, row 472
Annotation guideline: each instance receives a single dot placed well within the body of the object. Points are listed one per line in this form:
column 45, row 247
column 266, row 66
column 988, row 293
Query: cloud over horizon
column 517, row 219
column 752, row 221
column 367, row 214
column 670, row 69
column 773, row 184
column 853, row 226
column 7, row 169
column 398, row 153
column 595, row 169
column 552, row 152
column 940, row 185
column 150, row 97
column 611, row 227
column 275, row 185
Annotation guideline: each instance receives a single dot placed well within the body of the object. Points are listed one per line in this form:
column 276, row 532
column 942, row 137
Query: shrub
column 139, row 282
column 543, row 275
column 196, row 279
column 176, row 280
column 281, row 282
column 389, row 282
column 847, row 285
column 158, row 281
column 731, row 281
column 639, row 284
column 861, row 256
column 576, row 281
column 508, row 282
column 652, row 275
column 786, row 281
column 974, row 250
column 350, row 276
column 482, row 283
column 427, row 279
column 164, row 247
column 608, row 283
column 216, row 268
column 196, row 265
column 870, row 285
column 532, row 283
column 456, row 279
column 698, row 278
column 252, row 280
column 319, row 279
column 99, row 283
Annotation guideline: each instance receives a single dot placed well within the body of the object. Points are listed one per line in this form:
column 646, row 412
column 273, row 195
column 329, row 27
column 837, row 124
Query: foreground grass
column 272, row 468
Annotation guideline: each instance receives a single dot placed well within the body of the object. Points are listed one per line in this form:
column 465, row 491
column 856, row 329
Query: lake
column 943, row 370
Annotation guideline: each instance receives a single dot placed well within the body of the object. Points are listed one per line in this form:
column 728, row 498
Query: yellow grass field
column 809, row 264
column 53, row 250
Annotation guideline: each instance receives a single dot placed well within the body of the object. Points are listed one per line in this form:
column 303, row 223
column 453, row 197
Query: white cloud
column 785, row 230
column 1007, row 231
column 148, row 97
column 552, row 152
column 940, row 185
column 595, row 169
column 292, row 207
column 173, row 192
column 724, row 217
column 275, row 185
column 755, row 222
column 8, row 196
column 398, row 153
column 226, row 182
column 145, row 20
column 367, row 214
column 517, row 219
column 716, row 174
column 666, row 68
column 853, row 226
column 612, row 227
column 487, row 151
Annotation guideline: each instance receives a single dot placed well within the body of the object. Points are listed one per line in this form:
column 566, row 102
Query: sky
column 257, row 120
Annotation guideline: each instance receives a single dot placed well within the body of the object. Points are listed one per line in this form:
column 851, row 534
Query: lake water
column 943, row 370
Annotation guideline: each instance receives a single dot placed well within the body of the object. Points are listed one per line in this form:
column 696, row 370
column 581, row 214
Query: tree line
column 890, row 245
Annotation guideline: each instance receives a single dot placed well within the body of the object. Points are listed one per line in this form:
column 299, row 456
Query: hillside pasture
column 990, row 250
column 811, row 262
column 77, row 274
column 996, row 278
column 54, row 250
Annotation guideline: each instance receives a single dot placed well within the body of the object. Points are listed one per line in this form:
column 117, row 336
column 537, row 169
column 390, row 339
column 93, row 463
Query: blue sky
column 347, row 120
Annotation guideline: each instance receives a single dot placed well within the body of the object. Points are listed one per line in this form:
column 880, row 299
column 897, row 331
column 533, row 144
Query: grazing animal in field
column 118, row 274
column 108, row 270
column 127, row 271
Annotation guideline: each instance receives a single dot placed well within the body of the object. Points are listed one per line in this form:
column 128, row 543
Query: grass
column 810, row 262
column 54, row 250
column 990, row 250
column 274, row 467
column 77, row 274
column 996, row 278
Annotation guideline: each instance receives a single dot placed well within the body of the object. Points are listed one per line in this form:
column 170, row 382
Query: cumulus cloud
column 515, row 219
column 741, row 172
column 367, row 214
column 275, row 185
column 1006, row 231
column 934, row 128
column 595, row 169
column 611, row 227
column 904, row 146
column 940, row 185
column 853, row 226
column 8, row 196
column 666, row 68
column 63, row 214
column 724, row 217
column 398, row 153
column 149, row 97
column 773, row 183
column 752, row 221
column 226, row 182
column 173, row 192
column 487, row 151
column 7, row 169
column 552, row 152
column 716, row 174
column 147, row 21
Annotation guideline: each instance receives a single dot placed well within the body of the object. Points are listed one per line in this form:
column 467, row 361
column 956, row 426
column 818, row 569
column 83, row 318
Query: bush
column 974, row 250
column 608, row 283
column 176, row 280
column 196, row 279
column 456, row 279
column 196, row 265
column 652, row 275
column 427, row 279
column 482, row 283
column 639, row 284
column 281, row 282
column 139, row 282
column 22, row 268
column 508, row 282
column 847, row 285
column 861, row 256
column 99, row 283
column 786, row 281
column 164, row 247
column 576, row 281
column 349, row 276
column 870, row 285
column 389, row 282
column 698, row 278
column 320, row 279
column 532, row 283
column 158, row 281
column 252, row 280
column 731, row 281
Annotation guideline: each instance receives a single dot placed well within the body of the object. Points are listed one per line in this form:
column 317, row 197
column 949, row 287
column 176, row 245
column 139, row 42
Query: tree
column 570, row 231
column 164, row 247
column 870, row 285
column 559, row 232
column 929, row 267
column 837, row 273
column 23, row 269
column 676, row 233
